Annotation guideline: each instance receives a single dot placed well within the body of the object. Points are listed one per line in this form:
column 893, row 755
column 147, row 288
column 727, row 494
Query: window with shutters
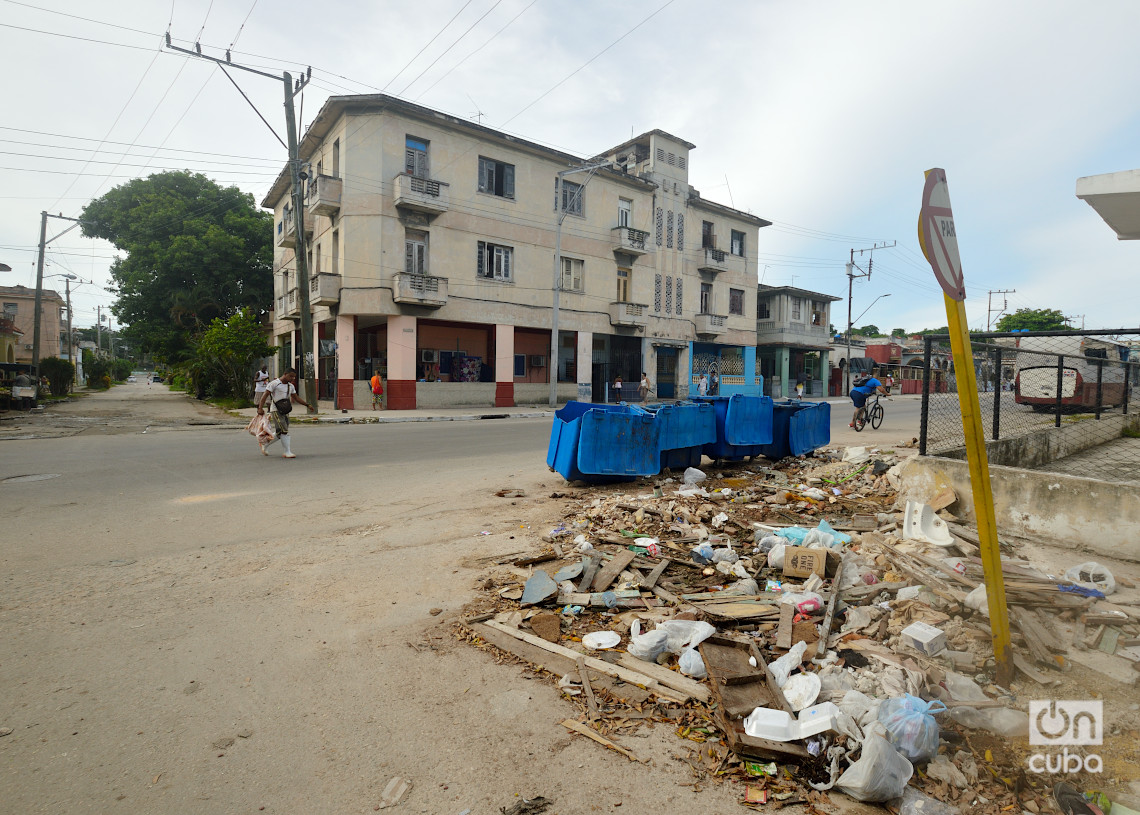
column 706, row 298
column 625, row 212
column 415, row 252
column 416, row 157
column 680, row 232
column 764, row 309
column 657, row 293
column 669, row 230
column 737, row 243
column 623, row 282
column 495, row 262
column 668, row 294
column 496, row 178
column 797, row 306
column 336, row 159
column 660, row 223
column 572, row 195
column 708, row 237
column 572, row 274
column 679, row 281
column 736, row 301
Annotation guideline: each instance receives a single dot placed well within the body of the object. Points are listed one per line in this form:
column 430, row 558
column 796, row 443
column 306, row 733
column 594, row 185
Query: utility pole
column 98, row 330
column 308, row 359
column 70, row 336
column 44, row 241
column 552, row 365
column 1004, row 304
column 851, row 267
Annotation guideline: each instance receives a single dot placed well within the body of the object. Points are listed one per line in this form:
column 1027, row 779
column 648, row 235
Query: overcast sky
column 820, row 117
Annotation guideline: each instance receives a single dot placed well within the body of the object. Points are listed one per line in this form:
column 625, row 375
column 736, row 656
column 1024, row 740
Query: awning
column 1116, row 199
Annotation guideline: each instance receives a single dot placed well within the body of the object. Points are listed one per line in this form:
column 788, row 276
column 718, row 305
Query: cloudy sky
column 820, row 117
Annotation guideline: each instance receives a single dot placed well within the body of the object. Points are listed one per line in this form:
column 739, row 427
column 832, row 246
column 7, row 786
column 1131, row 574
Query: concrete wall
column 1052, row 443
column 1095, row 515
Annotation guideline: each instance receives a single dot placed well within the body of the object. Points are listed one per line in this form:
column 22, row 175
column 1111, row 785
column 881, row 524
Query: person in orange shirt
column 377, row 391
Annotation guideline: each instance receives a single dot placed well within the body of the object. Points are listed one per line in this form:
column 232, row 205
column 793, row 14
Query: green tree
column 60, row 374
column 1031, row 319
column 195, row 251
column 867, row 331
column 226, row 353
column 899, row 332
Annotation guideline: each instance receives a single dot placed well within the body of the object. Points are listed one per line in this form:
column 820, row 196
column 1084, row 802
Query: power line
column 429, row 42
column 108, row 141
column 453, row 44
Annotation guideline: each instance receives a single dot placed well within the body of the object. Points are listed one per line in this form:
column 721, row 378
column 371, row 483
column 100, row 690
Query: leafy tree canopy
column 195, row 251
column 899, row 332
column 867, row 331
column 226, row 354
column 1032, row 319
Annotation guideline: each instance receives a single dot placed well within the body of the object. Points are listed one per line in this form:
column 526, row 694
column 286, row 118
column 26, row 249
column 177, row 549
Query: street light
column 850, row 323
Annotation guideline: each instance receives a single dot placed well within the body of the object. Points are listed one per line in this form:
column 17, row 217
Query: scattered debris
column 394, row 792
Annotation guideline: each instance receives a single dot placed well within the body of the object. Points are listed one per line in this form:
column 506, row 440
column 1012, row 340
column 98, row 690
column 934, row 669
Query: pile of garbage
column 810, row 633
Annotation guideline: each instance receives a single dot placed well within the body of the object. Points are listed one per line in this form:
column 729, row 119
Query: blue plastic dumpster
column 683, row 431
column 596, row 443
column 743, row 425
column 799, row 427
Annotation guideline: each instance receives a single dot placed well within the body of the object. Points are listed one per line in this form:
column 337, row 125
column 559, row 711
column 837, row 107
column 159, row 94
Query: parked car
column 156, row 379
column 132, row 378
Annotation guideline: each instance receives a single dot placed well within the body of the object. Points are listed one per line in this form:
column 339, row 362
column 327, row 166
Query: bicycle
column 872, row 413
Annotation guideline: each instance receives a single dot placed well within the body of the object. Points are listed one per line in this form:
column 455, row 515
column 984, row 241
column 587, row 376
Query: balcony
column 324, row 195
column 711, row 324
column 629, row 240
column 714, row 261
column 629, row 314
column 421, row 194
column 324, row 290
column 290, row 305
column 287, row 228
column 419, row 289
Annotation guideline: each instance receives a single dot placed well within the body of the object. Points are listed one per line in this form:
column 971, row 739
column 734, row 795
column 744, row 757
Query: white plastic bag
column 647, row 646
column 999, row 721
column 911, row 726
column 776, row 556
column 818, row 539
column 684, row 633
column 691, row 664
column 693, row 476
column 1092, row 574
column 880, row 774
column 978, row 600
column 725, row 555
column 782, row 668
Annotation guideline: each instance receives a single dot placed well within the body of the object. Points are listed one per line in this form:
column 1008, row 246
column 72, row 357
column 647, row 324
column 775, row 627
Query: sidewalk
column 471, row 413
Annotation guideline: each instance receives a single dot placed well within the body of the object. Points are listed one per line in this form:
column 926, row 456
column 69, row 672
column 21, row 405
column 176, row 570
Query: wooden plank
column 578, row 727
column 741, row 611
column 622, row 673
column 587, row 690
column 531, row 561
column 671, row 679
column 611, row 570
column 589, row 567
column 862, row 592
column 770, row 678
column 829, row 615
column 1022, row 664
column 1027, row 627
column 784, row 630
column 651, row 579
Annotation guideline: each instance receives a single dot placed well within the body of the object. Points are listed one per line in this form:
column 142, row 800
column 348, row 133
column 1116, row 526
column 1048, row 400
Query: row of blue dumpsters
column 598, row 443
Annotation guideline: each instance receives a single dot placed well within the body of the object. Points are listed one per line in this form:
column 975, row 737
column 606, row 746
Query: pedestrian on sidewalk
column 617, row 389
column 259, row 380
column 644, row 387
column 282, row 393
column 377, row 391
column 703, row 386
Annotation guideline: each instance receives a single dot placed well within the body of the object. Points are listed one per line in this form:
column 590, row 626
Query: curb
column 407, row 419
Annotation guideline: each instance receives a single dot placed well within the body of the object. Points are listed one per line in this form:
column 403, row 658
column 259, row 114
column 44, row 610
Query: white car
column 132, row 378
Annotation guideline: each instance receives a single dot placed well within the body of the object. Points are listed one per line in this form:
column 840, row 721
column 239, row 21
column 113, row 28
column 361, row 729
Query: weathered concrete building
column 19, row 306
column 431, row 247
column 792, row 335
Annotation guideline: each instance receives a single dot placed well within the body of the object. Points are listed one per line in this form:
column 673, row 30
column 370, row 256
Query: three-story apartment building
column 792, row 334
column 431, row 251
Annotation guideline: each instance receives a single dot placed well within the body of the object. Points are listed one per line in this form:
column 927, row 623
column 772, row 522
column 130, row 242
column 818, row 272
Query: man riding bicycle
column 864, row 388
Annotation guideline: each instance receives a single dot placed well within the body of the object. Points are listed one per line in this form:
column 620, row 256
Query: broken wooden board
column 1022, row 664
column 622, row 673
column 612, row 569
column 651, row 579
column 726, row 661
column 829, row 615
column 668, row 678
column 742, row 609
column 587, row 689
column 578, row 727
column 589, row 568
column 784, row 630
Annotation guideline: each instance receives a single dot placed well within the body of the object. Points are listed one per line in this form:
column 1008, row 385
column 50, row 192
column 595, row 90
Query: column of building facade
column 402, row 364
column 505, row 365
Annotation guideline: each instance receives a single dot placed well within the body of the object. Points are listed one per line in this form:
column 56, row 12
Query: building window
column 708, row 239
column 737, row 243
column 336, row 159
column 571, row 274
column 669, row 294
column 496, row 178
column 657, row 293
column 623, row 276
column 660, row 223
column 571, row 198
column 706, row 298
column 818, row 313
column 669, row 230
column 416, row 157
column 10, row 310
column 316, row 267
column 415, row 252
column 680, row 232
column 764, row 309
column 625, row 212
column 495, row 262
column 336, row 251
column 797, row 304
column 736, row 301
column 678, row 295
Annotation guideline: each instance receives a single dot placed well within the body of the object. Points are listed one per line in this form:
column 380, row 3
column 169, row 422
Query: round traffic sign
column 938, row 237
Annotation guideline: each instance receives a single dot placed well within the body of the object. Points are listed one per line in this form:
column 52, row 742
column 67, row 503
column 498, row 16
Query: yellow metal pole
column 980, row 485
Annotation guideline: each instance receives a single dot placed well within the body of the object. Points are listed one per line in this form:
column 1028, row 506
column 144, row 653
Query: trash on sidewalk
column 797, row 613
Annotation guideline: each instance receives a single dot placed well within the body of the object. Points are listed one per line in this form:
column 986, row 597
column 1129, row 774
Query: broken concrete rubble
column 892, row 619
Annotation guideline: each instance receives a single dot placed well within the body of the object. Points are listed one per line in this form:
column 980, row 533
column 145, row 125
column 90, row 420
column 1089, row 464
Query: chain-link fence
column 1059, row 401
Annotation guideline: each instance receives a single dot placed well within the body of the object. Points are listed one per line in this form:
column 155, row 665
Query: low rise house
column 792, row 339
column 19, row 306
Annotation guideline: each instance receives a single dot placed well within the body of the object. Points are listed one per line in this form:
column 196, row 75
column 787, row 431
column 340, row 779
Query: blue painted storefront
column 735, row 366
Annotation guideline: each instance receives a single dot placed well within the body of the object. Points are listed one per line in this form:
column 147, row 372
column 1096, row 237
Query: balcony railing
column 419, row 289
column 711, row 323
column 629, row 314
column 292, row 304
column 422, row 194
column 713, row 261
column 324, row 195
column 324, row 289
column 287, row 227
column 629, row 240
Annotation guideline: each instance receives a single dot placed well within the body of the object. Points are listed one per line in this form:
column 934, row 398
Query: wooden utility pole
column 308, row 357
column 44, row 241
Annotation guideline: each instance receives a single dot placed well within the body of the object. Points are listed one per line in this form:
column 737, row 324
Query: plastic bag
column 1092, row 574
column 914, row 802
column 647, row 646
column 747, row 587
column 691, row 664
column 693, row 476
column 963, row 688
column 703, row 554
column 978, row 600
column 793, row 534
column 860, row 707
column 725, row 554
column 911, row 726
column 683, row 634
column 880, row 774
column 818, row 539
column 782, row 668
column 768, row 541
column 999, row 721
column 776, row 556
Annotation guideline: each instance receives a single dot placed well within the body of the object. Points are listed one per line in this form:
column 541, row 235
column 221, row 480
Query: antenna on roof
column 478, row 114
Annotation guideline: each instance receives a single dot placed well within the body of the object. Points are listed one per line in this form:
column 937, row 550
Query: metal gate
column 624, row 361
column 666, row 381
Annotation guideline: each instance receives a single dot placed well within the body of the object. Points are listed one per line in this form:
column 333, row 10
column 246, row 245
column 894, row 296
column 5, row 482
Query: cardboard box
column 800, row 561
column 924, row 638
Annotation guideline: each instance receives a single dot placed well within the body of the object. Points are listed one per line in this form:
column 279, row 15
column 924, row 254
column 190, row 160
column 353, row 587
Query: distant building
column 792, row 334
column 19, row 306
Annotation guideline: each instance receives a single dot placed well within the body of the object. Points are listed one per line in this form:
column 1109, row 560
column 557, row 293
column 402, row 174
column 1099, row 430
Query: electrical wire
column 446, row 50
column 429, row 42
column 121, row 143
